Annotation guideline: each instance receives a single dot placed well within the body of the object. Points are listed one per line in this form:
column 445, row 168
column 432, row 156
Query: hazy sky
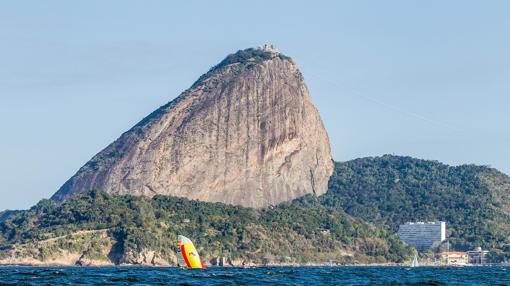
column 429, row 79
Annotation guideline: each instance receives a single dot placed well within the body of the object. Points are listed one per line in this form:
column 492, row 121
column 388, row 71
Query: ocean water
column 309, row 276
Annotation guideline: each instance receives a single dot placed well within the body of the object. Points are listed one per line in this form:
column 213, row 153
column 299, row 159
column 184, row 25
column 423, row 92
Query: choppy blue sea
column 309, row 276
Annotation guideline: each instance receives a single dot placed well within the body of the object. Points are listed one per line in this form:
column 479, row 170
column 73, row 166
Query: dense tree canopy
column 385, row 191
column 391, row 190
column 301, row 231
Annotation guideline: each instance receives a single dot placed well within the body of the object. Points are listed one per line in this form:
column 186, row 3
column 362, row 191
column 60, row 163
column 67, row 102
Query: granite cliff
column 245, row 133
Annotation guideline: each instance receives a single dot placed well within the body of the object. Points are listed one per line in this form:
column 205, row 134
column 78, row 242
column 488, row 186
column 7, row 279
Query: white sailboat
column 415, row 261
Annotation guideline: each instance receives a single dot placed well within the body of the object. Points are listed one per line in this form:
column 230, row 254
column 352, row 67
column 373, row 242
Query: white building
column 269, row 48
column 422, row 235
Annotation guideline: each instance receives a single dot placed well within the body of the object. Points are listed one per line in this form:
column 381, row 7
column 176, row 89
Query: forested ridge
column 298, row 232
column 355, row 221
column 473, row 200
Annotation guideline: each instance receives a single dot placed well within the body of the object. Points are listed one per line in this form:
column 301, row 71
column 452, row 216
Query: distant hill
column 7, row 213
column 245, row 133
column 390, row 190
column 102, row 228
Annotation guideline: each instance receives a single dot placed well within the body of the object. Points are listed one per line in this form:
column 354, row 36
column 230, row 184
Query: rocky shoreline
column 76, row 260
column 100, row 263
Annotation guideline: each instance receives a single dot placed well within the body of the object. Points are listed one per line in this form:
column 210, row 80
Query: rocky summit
column 245, row 133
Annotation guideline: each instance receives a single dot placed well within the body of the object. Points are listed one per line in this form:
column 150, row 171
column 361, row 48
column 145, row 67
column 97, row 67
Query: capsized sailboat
column 188, row 257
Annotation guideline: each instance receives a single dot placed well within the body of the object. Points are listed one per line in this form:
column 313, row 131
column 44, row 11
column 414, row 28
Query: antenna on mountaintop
column 269, row 48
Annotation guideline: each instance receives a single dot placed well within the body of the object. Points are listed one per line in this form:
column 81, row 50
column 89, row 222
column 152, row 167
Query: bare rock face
column 246, row 133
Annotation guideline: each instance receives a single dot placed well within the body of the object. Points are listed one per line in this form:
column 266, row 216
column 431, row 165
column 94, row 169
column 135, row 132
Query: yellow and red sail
column 189, row 253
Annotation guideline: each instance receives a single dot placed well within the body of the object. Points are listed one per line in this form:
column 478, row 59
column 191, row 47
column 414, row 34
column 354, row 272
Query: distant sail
column 189, row 254
column 415, row 261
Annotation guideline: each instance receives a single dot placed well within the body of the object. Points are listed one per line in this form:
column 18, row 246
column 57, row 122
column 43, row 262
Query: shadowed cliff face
column 245, row 133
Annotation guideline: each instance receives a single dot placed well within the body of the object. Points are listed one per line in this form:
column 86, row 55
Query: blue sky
column 429, row 79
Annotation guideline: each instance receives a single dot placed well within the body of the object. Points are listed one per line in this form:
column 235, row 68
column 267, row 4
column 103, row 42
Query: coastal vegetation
column 297, row 232
column 355, row 221
column 474, row 201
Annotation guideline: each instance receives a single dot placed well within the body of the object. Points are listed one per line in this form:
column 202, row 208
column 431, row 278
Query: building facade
column 478, row 256
column 455, row 258
column 422, row 235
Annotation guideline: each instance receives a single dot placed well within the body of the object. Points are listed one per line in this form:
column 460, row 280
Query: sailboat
column 188, row 257
column 415, row 261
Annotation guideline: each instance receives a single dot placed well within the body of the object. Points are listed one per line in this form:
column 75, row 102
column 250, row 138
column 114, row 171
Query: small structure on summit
column 269, row 48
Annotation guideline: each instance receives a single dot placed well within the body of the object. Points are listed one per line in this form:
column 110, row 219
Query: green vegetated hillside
column 5, row 214
column 383, row 191
column 128, row 229
column 390, row 190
